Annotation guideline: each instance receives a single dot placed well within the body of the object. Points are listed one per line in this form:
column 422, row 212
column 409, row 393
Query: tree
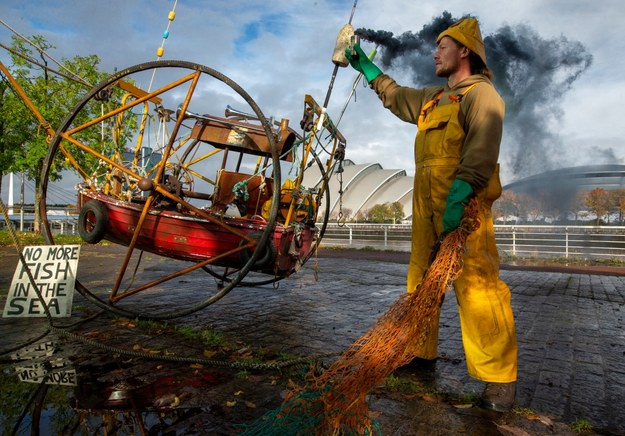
column 598, row 200
column 617, row 203
column 397, row 211
column 507, row 204
column 23, row 143
column 362, row 216
column 385, row 213
column 379, row 213
column 578, row 205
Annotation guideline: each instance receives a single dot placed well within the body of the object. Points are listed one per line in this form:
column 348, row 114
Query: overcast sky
column 280, row 50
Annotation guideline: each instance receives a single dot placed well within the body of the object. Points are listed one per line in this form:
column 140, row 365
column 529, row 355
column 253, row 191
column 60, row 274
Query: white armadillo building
column 365, row 185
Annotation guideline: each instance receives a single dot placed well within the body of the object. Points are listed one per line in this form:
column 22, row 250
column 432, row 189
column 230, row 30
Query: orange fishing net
column 335, row 402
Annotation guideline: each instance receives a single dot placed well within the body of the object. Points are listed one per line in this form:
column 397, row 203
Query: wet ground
column 219, row 370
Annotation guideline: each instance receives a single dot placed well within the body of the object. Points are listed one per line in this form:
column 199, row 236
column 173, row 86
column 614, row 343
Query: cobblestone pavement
column 569, row 327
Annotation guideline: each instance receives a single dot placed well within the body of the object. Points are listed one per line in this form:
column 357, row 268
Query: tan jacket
column 481, row 115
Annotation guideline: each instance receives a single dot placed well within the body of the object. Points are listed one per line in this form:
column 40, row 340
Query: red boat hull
column 187, row 237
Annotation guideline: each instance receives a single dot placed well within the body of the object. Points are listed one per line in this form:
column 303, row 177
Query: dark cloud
column 604, row 155
column 531, row 73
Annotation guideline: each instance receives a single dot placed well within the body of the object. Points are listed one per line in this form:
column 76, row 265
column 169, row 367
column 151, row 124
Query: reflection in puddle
column 46, row 391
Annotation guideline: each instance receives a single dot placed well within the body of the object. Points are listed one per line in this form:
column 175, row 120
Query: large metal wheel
column 134, row 143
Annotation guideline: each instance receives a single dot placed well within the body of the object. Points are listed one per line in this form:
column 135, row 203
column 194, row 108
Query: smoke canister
column 354, row 39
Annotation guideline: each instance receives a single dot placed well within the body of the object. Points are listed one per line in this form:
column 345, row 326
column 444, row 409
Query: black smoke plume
column 530, row 72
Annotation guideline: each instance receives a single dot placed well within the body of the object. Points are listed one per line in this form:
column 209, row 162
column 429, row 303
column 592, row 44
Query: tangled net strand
column 335, row 401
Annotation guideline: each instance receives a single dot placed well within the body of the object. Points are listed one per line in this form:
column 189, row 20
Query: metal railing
column 592, row 242
column 588, row 242
column 62, row 220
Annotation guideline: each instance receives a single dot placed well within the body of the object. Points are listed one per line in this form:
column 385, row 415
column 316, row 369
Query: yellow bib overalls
column 486, row 318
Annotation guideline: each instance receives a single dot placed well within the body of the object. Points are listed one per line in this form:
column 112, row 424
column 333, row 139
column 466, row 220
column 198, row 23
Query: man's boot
column 499, row 396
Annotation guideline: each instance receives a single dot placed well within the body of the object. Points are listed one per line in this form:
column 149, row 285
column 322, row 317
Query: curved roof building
column 586, row 177
column 365, row 185
column 560, row 187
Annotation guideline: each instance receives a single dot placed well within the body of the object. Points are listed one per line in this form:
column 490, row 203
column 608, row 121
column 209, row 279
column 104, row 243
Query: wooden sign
column 53, row 268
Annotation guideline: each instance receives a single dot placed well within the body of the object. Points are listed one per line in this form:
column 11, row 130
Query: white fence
column 588, row 242
column 61, row 220
column 591, row 242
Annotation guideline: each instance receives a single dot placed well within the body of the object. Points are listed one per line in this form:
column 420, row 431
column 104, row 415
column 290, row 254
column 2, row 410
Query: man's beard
column 443, row 72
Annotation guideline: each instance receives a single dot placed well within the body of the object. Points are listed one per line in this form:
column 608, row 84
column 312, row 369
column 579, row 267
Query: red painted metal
column 186, row 237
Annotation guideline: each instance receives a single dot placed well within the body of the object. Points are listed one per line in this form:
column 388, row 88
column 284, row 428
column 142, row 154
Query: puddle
column 51, row 390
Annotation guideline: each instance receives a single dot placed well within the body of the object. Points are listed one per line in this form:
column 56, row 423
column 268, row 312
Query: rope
column 161, row 50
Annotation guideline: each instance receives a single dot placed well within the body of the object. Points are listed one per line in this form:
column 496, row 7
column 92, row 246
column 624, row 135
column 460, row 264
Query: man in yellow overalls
column 459, row 128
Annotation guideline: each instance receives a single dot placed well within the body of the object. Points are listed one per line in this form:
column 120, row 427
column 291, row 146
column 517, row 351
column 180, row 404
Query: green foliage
column 402, row 384
column 33, row 238
column 386, row 213
column 23, row 141
column 208, row 336
column 53, row 97
column 15, row 397
column 581, row 426
column 24, row 238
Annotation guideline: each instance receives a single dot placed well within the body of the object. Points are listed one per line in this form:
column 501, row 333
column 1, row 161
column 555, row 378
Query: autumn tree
column 617, row 203
column 598, row 201
column 507, row 204
column 578, row 205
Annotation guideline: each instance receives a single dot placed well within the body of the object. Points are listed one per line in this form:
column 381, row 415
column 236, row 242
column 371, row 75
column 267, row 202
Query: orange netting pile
column 335, row 401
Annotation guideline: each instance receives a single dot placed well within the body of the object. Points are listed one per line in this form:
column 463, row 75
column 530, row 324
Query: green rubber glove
column 361, row 63
column 458, row 196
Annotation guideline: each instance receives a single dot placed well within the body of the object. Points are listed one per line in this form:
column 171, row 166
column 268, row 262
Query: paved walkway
column 569, row 327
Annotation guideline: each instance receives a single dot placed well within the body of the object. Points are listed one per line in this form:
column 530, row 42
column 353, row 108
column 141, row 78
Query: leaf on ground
column 543, row 419
column 250, row 405
column 231, row 403
column 137, row 347
column 256, row 378
column 209, row 353
column 165, row 401
column 511, row 431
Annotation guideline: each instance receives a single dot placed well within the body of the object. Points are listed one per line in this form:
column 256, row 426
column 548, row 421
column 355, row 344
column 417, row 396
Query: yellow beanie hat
column 467, row 32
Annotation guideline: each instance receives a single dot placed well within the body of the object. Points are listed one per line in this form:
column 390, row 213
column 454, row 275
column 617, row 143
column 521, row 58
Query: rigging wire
column 75, row 77
column 161, row 50
column 359, row 76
